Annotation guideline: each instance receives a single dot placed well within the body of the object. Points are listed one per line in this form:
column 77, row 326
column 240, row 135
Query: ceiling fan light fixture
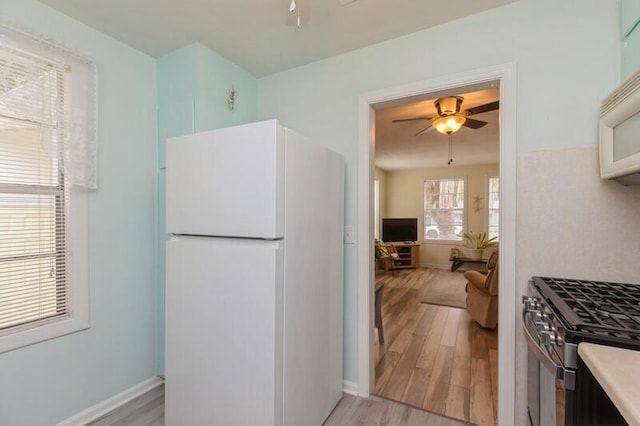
column 449, row 124
column 449, row 105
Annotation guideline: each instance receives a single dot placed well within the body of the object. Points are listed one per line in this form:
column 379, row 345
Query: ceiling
column 260, row 35
column 397, row 147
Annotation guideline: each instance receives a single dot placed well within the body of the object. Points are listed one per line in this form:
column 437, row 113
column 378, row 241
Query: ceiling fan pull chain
column 450, row 151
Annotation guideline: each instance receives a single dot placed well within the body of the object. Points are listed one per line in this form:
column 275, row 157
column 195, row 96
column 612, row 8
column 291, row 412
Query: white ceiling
column 260, row 35
column 397, row 147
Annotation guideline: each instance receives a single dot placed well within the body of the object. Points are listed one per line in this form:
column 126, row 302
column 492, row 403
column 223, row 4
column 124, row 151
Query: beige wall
column 403, row 198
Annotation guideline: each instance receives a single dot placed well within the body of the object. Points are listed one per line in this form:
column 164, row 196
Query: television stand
column 408, row 253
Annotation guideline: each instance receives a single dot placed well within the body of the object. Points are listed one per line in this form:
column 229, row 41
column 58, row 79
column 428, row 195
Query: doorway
column 430, row 343
column 368, row 103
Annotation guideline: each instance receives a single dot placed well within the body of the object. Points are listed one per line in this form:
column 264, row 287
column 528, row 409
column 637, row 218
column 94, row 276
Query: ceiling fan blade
column 425, row 130
column 491, row 106
column 474, row 124
column 411, row 119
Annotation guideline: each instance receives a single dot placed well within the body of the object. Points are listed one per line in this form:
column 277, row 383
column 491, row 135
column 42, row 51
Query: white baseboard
column 100, row 409
column 350, row 387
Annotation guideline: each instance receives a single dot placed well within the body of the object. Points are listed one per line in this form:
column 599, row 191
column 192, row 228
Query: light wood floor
column 148, row 410
column 353, row 411
column 435, row 357
column 145, row 410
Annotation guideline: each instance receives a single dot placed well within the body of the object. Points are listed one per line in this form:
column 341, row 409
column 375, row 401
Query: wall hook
column 231, row 101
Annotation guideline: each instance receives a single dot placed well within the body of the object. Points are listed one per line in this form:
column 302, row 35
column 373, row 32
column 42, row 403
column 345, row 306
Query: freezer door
column 227, row 182
column 224, row 305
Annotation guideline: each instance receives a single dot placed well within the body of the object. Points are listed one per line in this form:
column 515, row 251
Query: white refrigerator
column 254, row 281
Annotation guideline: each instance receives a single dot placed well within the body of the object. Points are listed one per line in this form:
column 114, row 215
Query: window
column 376, row 208
column 43, row 219
column 444, row 209
column 493, row 209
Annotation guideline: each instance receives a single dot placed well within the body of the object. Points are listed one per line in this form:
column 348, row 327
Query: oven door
column 551, row 397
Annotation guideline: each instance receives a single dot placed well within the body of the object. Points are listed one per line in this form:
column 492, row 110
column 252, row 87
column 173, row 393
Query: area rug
column 446, row 288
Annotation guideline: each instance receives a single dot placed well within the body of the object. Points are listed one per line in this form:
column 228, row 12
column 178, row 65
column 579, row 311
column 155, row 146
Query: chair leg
column 378, row 311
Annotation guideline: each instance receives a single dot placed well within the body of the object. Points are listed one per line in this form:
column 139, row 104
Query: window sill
column 444, row 242
column 78, row 319
column 44, row 330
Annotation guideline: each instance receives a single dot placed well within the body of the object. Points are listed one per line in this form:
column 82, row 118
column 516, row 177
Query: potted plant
column 476, row 242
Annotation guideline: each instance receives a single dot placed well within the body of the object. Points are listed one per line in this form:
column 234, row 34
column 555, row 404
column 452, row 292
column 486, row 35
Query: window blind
column 34, row 194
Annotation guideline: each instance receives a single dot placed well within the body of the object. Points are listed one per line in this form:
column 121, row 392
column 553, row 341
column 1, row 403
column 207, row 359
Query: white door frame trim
column 506, row 75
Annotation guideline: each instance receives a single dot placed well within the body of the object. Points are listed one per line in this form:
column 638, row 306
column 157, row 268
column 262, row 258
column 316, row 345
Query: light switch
column 349, row 235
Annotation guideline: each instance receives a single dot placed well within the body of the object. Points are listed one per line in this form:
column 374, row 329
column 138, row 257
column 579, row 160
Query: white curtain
column 75, row 118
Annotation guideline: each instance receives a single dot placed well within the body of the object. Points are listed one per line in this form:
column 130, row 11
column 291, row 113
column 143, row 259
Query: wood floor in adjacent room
column 435, row 357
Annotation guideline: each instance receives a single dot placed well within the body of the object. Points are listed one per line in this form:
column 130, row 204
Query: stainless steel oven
column 557, row 316
column 551, row 369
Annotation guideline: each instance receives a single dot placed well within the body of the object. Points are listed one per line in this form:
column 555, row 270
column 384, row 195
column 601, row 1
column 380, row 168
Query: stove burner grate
column 596, row 307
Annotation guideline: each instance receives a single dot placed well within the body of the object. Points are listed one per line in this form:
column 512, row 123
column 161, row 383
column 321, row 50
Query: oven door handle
column 558, row 371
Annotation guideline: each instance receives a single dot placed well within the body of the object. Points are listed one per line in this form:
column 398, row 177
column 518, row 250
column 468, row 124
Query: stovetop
column 594, row 311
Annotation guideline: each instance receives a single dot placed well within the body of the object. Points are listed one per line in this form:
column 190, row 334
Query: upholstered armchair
column 482, row 293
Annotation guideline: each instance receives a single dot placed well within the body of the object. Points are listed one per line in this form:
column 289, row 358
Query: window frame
column 78, row 302
column 376, row 208
column 76, row 233
column 488, row 204
column 464, row 209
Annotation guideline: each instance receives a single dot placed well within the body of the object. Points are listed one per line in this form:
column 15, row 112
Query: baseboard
column 100, row 409
column 350, row 387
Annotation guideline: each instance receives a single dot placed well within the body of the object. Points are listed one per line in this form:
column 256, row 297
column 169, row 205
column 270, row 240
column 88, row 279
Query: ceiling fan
column 450, row 119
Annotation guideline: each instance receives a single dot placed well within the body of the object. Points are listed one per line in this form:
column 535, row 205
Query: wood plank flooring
column 148, row 410
column 435, row 357
column 145, row 410
column 372, row 411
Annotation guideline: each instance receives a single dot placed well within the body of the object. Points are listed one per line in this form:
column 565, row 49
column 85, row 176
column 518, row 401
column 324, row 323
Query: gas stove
column 557, row 316
column 592, row 311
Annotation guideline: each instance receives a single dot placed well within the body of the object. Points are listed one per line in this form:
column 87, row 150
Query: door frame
column 506, row 75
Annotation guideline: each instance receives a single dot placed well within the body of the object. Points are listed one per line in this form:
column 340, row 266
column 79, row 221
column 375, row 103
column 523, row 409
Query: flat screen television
column 399, row 229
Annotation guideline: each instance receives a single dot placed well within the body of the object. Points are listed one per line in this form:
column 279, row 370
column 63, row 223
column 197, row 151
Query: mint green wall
column 193, row 87
column 47, row 382
column 567, row 58
column 177, row 85
column 630, row 53
column 215, row 75
column 630, row 33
